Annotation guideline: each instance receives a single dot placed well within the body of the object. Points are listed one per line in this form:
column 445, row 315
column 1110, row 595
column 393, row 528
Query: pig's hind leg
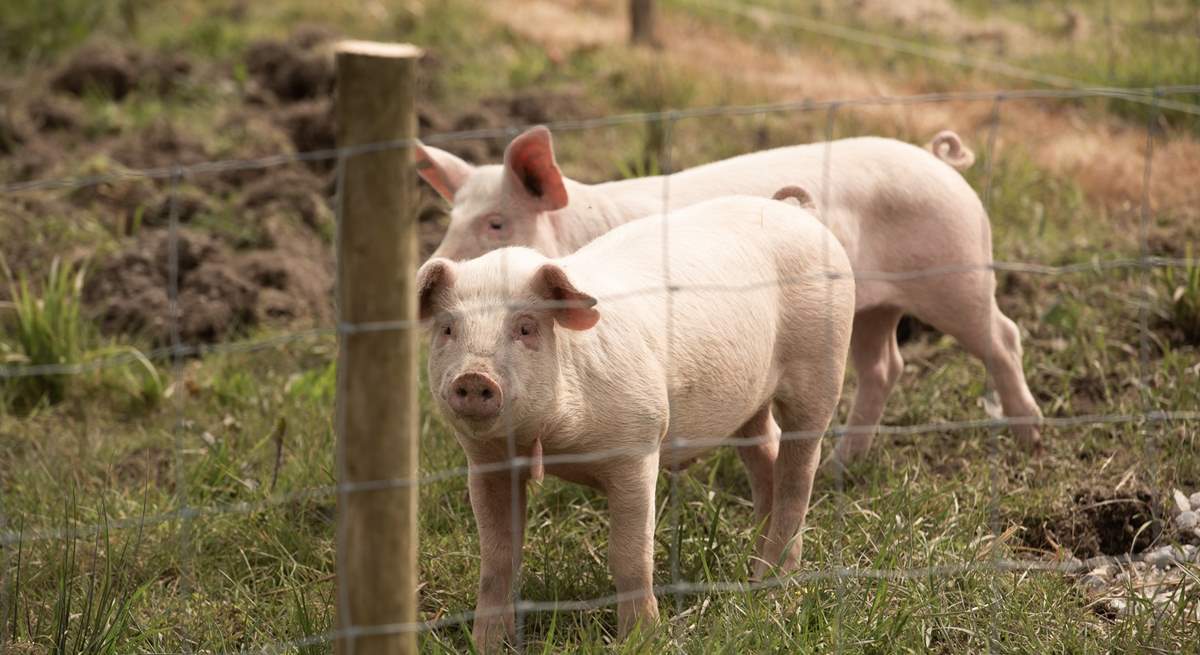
column 805, row 403
column 977, row 323
column 759, row 460
column 875, row 355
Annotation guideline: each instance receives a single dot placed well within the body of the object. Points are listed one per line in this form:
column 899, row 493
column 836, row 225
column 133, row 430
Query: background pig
column 574, row 356
column 896, row 209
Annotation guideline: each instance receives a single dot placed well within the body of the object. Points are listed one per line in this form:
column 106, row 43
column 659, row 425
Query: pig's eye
column 526, row 330
column 495, row 225
column 447, row 331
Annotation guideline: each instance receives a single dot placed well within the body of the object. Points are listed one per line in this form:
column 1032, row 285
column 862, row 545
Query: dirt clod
column 294, row 191
column 291, row 71
column 97, row 68
column 55, row 113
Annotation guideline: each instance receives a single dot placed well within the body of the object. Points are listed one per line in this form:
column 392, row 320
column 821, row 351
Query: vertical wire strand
column 839, row 470
column 5, row 558
column 346, row 623
column 175, row 317
column 666, row 168
column 989, row 275
column 517, row 509
column 1148, row 430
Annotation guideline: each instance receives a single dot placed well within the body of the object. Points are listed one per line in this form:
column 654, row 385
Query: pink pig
column 591, row 358
column 916, row 233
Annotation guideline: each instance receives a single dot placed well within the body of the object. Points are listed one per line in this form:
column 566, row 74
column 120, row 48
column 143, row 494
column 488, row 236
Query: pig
column 897, row 210
column 591, row 354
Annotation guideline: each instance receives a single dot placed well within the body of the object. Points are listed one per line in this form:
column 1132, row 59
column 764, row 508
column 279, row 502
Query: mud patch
column 221, row 292
column 53, row 113
column 115, row 71
column 293, row 70
column 1098, row 523
column 295, row 192
column 161, row 144
column 103, row 68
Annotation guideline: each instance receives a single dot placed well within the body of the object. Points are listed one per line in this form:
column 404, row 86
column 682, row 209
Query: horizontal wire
column 265, row 343
column 522, row 463
column 1133, row 94
column 1073, row 566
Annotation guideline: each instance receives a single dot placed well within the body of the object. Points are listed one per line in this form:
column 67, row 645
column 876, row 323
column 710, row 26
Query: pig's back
column 733, row 241
column 747, row 276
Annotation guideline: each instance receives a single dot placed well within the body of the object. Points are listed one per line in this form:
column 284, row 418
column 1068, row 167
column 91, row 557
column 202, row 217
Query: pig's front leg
column 630, row 488
column 500, row 518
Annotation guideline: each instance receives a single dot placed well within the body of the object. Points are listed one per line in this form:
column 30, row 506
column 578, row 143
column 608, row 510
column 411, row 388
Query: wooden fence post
column 377, row 390
column 641, row 22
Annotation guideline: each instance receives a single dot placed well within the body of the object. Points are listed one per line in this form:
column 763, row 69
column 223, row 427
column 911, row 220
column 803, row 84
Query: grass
column 46, row 330
column 246, row 438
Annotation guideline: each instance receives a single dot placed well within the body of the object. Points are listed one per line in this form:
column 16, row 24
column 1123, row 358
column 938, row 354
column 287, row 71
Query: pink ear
column 442, row 170
column 530, row 160
column 434, row 277
column 573, row 309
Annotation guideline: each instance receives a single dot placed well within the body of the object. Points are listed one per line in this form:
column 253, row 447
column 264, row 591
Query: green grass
column 45, row 330
column 246, row 437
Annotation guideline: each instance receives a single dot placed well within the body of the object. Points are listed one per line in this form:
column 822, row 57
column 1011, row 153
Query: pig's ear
column 433, row 279
column 442, row 170
column 573, row 309
column 530, row 160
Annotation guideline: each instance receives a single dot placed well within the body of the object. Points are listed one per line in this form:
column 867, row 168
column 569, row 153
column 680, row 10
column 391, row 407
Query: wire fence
column 178, row 351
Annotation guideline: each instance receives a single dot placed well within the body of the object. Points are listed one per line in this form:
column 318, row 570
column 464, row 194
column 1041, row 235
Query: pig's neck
column 567, row 423
column 595, row 209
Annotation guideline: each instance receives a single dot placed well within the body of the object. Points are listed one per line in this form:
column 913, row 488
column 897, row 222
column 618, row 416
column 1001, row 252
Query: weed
column 1180, row 293
column 46, row 330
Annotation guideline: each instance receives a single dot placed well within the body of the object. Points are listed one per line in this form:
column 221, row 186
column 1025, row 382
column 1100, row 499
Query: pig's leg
column 994, row 338
column 878, row 365
column 804, row 413
column 759, row 459
column 494, row 503
column 630, row 489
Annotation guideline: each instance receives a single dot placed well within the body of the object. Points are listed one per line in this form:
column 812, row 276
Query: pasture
column 182, row 500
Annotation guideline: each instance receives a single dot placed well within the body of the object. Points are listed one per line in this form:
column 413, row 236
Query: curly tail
column 798, row 195
column 947, row 147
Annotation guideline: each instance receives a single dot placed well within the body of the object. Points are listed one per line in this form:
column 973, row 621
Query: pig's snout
column 475, row 396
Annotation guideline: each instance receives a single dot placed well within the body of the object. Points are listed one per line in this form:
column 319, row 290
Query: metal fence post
column 377, row 389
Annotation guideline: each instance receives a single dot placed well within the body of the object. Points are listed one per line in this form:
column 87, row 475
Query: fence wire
column 177, row 351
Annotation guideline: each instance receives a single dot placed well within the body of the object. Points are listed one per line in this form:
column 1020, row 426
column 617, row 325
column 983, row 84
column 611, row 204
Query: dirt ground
column 255, row 244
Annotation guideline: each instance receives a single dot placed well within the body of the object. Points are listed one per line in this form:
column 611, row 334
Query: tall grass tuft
column 93, row 597
column 1180, row 287
column 45, row 329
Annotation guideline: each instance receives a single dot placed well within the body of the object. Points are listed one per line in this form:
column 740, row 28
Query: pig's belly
column 698, row 426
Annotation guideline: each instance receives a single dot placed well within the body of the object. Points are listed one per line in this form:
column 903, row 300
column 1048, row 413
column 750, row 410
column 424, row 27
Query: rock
column 1181, row 500
column 1187, row 520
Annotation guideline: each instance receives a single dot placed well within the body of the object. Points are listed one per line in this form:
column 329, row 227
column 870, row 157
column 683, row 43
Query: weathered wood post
column 641, row 22
column 377, row 389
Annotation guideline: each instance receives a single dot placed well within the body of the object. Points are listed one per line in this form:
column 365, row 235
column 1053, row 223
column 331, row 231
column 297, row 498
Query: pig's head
column 498, row 206
column 496, row 322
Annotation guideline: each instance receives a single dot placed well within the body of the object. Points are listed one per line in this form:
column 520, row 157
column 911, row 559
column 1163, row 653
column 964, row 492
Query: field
column 186, row 504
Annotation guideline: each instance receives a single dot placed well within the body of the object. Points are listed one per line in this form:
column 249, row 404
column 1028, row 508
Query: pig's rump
column 748, row 279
